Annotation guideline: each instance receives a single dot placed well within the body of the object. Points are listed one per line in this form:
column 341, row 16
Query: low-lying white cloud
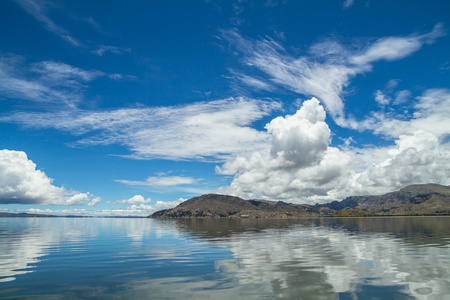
column 22, row 183
column 161, row 181
column 200, row 131
column 136, row 199
column 135, row 210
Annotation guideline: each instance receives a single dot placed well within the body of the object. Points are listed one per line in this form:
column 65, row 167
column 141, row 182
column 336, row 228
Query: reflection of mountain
column 416, row 230
column 209, row 228
column 314, row 259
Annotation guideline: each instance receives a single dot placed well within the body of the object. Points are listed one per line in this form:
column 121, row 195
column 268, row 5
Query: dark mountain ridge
column 419, row 199
column 423, row 199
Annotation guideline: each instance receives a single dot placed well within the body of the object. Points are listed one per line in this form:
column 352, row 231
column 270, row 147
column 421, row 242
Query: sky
column 129, row 107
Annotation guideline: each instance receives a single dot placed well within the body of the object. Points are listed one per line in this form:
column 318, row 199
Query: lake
column 326, row 258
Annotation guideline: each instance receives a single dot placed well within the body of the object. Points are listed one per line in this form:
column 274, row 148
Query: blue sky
column 125, row 108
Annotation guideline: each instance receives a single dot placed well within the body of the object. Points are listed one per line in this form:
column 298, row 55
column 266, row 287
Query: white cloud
column 161, row 181
column 302, row 167
column 416, row 158
column 102, row 49
column 136, row 209
column 256, row 83
column 328, row 70
column 200, row 131
column 61, row 74
column 94, row 201
column 431, row 111
column 301, row 138
column 393, row 48
column 381, row 98
column 299, row 165
column 402, row 97
column 350, row 260
column 136, row 199
column 38, row 10
column 21, row 183
column 45, row 81
column 348, row 3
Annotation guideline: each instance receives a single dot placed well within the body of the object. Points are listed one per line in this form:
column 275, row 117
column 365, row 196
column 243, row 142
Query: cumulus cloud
column 300, row 138
column 302, row 167
column 211, row 130
column 22, row 183
column 161, row 181
column 430, row 113
column 329, row 67
column 299, row 164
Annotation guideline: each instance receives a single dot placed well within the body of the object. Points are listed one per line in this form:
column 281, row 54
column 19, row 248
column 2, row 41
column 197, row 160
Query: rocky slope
column 425, row 199
column 213, row 205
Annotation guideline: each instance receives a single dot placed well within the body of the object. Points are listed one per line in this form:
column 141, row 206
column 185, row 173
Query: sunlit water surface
column 100, row 258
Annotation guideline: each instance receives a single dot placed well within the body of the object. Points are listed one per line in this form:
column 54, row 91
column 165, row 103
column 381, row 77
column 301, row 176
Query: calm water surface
column 355, row 258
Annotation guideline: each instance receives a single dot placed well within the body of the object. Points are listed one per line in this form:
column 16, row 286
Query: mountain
column 23, row 215
column 421, row 199
column 424, row 199
column 213, row 205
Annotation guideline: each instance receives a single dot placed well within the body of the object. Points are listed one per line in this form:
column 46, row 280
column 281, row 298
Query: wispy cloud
column 396, row 47
column 252, row 81
column 348, row 3
column 45, row 81
column 39, row 11
column 102, row 49
column 329, row 67
column 199, row 131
